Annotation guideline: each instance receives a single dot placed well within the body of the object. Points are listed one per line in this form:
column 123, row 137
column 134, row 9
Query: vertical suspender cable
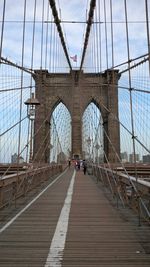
column 106, row 34
column 100, row 38
column 130, row 88
column 2, row 31
column 112, row 41
column 42, row 34
column 59, row 56
column 93, row 39
column 97, row 40
column 95, row 46
column 148, row 35
column 100, row 43
column 47, row 32
column 32, row 58
column 95, row 132
column 33, row 36
column 90, row 53
column 54, row 51
column 57, row 61
column 22, row 64
column 50, row 44
column 91, row 50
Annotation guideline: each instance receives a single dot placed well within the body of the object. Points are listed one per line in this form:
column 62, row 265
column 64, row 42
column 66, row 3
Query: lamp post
column 89, row 144
column 31, row 103
column 50, row 148
column 97, row 146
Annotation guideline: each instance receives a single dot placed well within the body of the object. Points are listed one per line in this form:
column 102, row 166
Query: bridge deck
column 96, row 235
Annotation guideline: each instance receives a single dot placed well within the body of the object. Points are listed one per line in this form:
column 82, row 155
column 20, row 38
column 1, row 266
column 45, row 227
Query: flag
column 74, row 58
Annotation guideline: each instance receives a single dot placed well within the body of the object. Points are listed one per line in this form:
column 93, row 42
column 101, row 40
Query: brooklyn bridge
column 75, row 133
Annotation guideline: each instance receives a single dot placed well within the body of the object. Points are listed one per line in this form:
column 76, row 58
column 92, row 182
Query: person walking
column 78, row 165
column 84, row 166
column 69, row 163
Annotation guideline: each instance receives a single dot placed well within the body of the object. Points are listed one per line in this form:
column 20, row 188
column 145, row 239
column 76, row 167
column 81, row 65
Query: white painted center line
column 55, row 255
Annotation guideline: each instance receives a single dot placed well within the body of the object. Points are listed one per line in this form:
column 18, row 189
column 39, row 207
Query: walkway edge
column 27, row 206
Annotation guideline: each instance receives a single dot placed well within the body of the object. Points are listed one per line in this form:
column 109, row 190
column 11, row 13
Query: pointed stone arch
column 60, row 121
column 92, row 133
column 76, row 90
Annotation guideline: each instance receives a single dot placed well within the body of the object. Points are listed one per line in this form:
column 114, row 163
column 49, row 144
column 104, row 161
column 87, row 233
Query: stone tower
column 76, row 90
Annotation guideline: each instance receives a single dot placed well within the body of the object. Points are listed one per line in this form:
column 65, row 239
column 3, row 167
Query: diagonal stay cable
column 13, row 126
column 117, row 119
column 11, row 63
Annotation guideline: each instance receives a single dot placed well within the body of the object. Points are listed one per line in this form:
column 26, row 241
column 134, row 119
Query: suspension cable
column 147, row 27
column 57, row 22
column 112, row 39
column 130, row 86
column 22, row 74
column 88, row 29
column 9, row 62
column 42, row 33
column 2, row 32
column 106, row 41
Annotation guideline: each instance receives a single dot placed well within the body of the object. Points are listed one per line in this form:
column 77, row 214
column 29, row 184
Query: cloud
column 13, row 31
column 136, row 31
column 75, row 11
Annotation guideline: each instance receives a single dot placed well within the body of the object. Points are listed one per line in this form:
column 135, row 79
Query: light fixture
column 31, row 103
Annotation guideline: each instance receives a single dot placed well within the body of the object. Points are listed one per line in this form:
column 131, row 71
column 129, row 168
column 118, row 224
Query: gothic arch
column 55, row 104
column 76, row 91
column 89, row 101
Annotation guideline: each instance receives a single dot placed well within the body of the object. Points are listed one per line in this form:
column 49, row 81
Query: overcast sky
column 75, row 10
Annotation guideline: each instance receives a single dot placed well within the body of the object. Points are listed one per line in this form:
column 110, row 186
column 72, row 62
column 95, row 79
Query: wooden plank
column 26, row 242
column 97, row 234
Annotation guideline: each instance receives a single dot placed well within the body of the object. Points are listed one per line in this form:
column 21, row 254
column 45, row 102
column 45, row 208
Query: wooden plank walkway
column 96, row 235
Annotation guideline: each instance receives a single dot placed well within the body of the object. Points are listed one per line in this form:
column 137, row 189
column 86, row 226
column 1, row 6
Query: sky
column 76, row 10
column 12, row 41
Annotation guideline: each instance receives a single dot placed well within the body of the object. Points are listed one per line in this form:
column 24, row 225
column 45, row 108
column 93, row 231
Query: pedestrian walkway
column 71, row 224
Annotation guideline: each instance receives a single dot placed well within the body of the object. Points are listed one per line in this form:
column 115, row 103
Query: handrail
column 134, row 192
column 16, row 185
column 132, row 178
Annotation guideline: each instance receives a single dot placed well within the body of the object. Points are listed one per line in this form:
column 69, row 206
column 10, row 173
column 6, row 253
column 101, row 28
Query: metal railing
column 19, row 184
column 131, row 192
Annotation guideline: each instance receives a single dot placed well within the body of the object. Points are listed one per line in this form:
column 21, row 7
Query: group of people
column 79, row 164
